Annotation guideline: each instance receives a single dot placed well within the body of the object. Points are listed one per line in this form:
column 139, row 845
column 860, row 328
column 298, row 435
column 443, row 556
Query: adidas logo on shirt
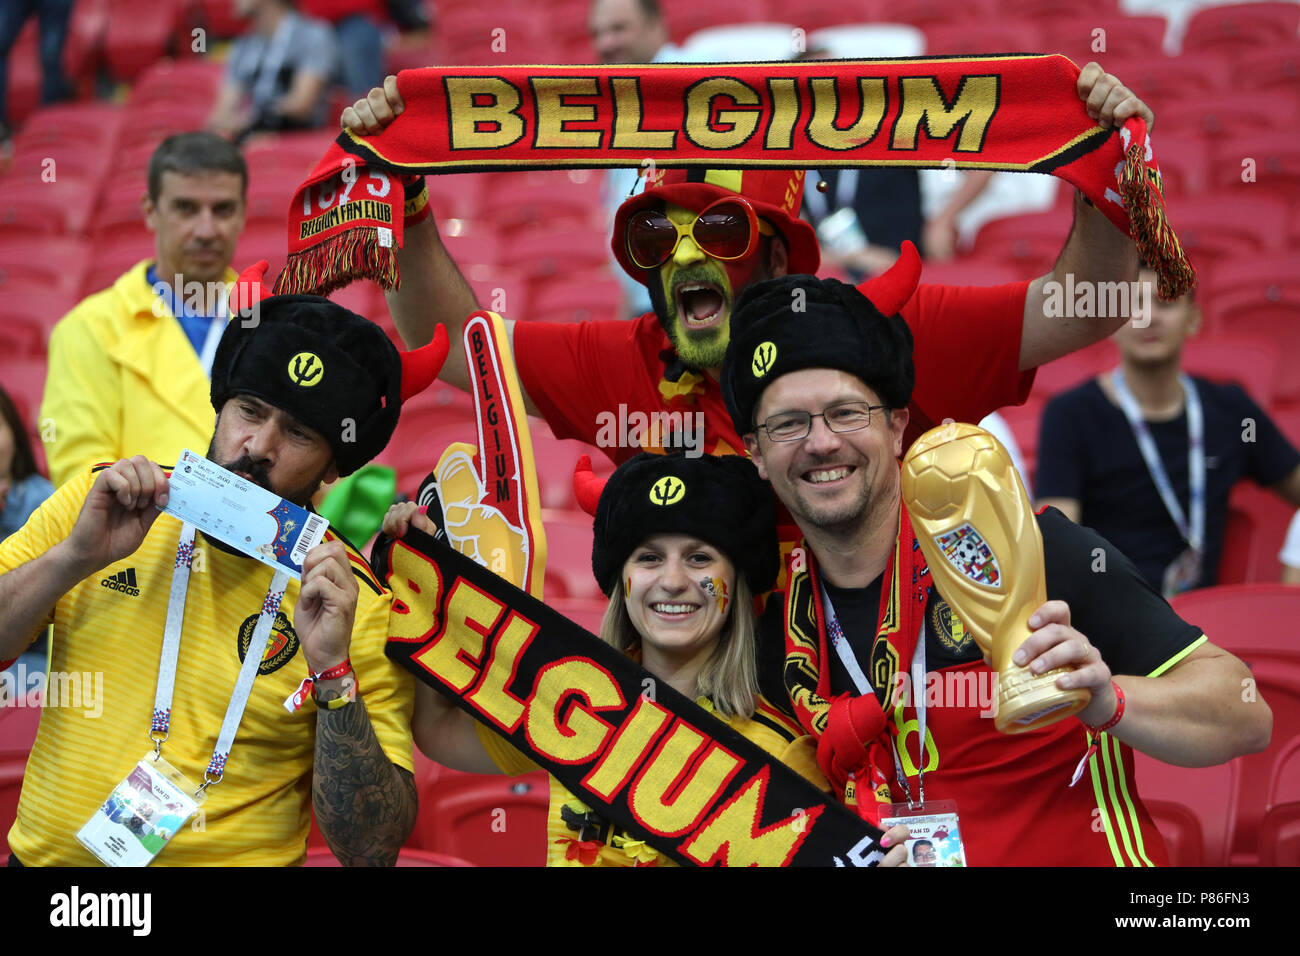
column 123, row 581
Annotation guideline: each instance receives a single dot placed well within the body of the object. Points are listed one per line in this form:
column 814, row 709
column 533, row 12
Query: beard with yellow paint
column 693, row 293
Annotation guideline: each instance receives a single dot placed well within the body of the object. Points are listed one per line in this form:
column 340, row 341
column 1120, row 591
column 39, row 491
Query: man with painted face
column 697, row 238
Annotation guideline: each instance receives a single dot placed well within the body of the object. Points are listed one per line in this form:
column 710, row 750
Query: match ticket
column 243, row 515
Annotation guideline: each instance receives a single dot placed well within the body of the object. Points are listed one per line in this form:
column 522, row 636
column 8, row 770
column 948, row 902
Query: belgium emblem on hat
column 306, row 369
column 764, row 359
column 667, row 490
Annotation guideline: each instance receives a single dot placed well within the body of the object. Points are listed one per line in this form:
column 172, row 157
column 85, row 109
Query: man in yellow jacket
column 129, row 366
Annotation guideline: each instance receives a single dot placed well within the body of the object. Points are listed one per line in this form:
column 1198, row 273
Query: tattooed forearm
column 365, row 806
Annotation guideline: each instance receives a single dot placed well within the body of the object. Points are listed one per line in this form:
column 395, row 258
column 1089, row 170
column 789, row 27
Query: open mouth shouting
column 701, row 305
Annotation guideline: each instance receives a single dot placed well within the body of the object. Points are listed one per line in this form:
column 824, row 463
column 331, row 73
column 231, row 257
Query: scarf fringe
column 337, row 261
column 1140, row 188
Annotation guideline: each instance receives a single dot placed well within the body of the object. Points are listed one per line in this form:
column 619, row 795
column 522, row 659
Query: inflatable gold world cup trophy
column 977, row 530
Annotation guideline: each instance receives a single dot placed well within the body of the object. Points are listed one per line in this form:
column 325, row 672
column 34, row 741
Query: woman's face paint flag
column 1019, row 113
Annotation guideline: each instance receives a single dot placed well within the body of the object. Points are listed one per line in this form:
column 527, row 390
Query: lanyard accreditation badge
column 934, row 837
column 1185, row 571
column 154, row 801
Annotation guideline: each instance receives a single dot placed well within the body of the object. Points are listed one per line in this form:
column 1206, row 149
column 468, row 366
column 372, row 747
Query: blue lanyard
column 1194, row 532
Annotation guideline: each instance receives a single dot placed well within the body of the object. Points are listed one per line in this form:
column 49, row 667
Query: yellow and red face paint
column 716, row 587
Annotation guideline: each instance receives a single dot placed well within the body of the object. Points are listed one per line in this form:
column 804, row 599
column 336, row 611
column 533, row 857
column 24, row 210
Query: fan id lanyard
column 934, row 838
column 1185, row 571
column 155, row 799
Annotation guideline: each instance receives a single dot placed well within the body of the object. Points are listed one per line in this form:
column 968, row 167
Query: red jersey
column 588, row 376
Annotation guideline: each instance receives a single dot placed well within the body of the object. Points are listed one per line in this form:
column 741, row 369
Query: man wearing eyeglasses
column 822, row 398
column 697, row 239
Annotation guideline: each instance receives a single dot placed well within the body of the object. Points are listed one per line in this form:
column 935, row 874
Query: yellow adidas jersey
column 107, row 638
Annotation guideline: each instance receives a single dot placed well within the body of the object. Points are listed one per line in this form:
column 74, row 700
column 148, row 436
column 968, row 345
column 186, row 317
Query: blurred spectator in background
column 129, row 366
column 278, row 74
column 22, row 487
column 356, row 24
column 52, row 22
column 628, row 31
column 1146, row 455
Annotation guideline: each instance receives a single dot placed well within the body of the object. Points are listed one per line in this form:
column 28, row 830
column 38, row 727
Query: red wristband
column 308, row 686
column 1116, row 717
column 338, row 670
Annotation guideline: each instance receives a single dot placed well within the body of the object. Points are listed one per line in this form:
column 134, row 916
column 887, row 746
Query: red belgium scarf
column 852, row 731
column 1017, row 113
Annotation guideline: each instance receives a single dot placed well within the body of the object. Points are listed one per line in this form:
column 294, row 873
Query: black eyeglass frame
column 809, row 416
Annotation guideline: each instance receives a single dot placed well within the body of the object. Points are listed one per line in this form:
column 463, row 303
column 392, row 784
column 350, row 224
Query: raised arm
column 1095, row 251
column 433, row 290
column 365, row 804
column 1195, row 714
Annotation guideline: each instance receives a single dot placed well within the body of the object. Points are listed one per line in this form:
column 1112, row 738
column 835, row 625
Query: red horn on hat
column 586, row 486
column 421, row 366
column 249, row 288
column 890, row 290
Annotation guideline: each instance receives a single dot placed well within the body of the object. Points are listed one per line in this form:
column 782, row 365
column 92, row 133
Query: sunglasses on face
column 727, row 229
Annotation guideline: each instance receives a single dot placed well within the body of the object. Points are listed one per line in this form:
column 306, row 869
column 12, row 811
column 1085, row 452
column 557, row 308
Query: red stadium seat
column 474, row 247
column 1257, row 523
column 419, row 442
column 133, row 42
column 83, row 124
column 1029, row 243
column 59, row 209
column 684, row 17
column 1246, row 312
column 1241, row 28
column 1256, row 622
column 1227, row 115
column 1207, row 792
column 1025, row 421
column 21, row 338
column 540, row 253
column 1162, row 80
column 1272, row 776
column 965, row 37
column 1220, row 226
column 568, row 554
column 1250, row 362
column 544, row 199
column 599, row 295
column 1279, row 835
column 1276, row 170
column 24, row 380
column 57, row 263
column 128, row 247
column 487, row 820
column 265, row 240
column 1181, row 829
column 196, row 80
column 554, row 460
column 499, row 289
column 1274, row 67
column 1074, row 369
column 472, row 33
column 585, row 612
column 1124, row 37
column 1184, row 165
column 12, row 767
column 220, row 20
